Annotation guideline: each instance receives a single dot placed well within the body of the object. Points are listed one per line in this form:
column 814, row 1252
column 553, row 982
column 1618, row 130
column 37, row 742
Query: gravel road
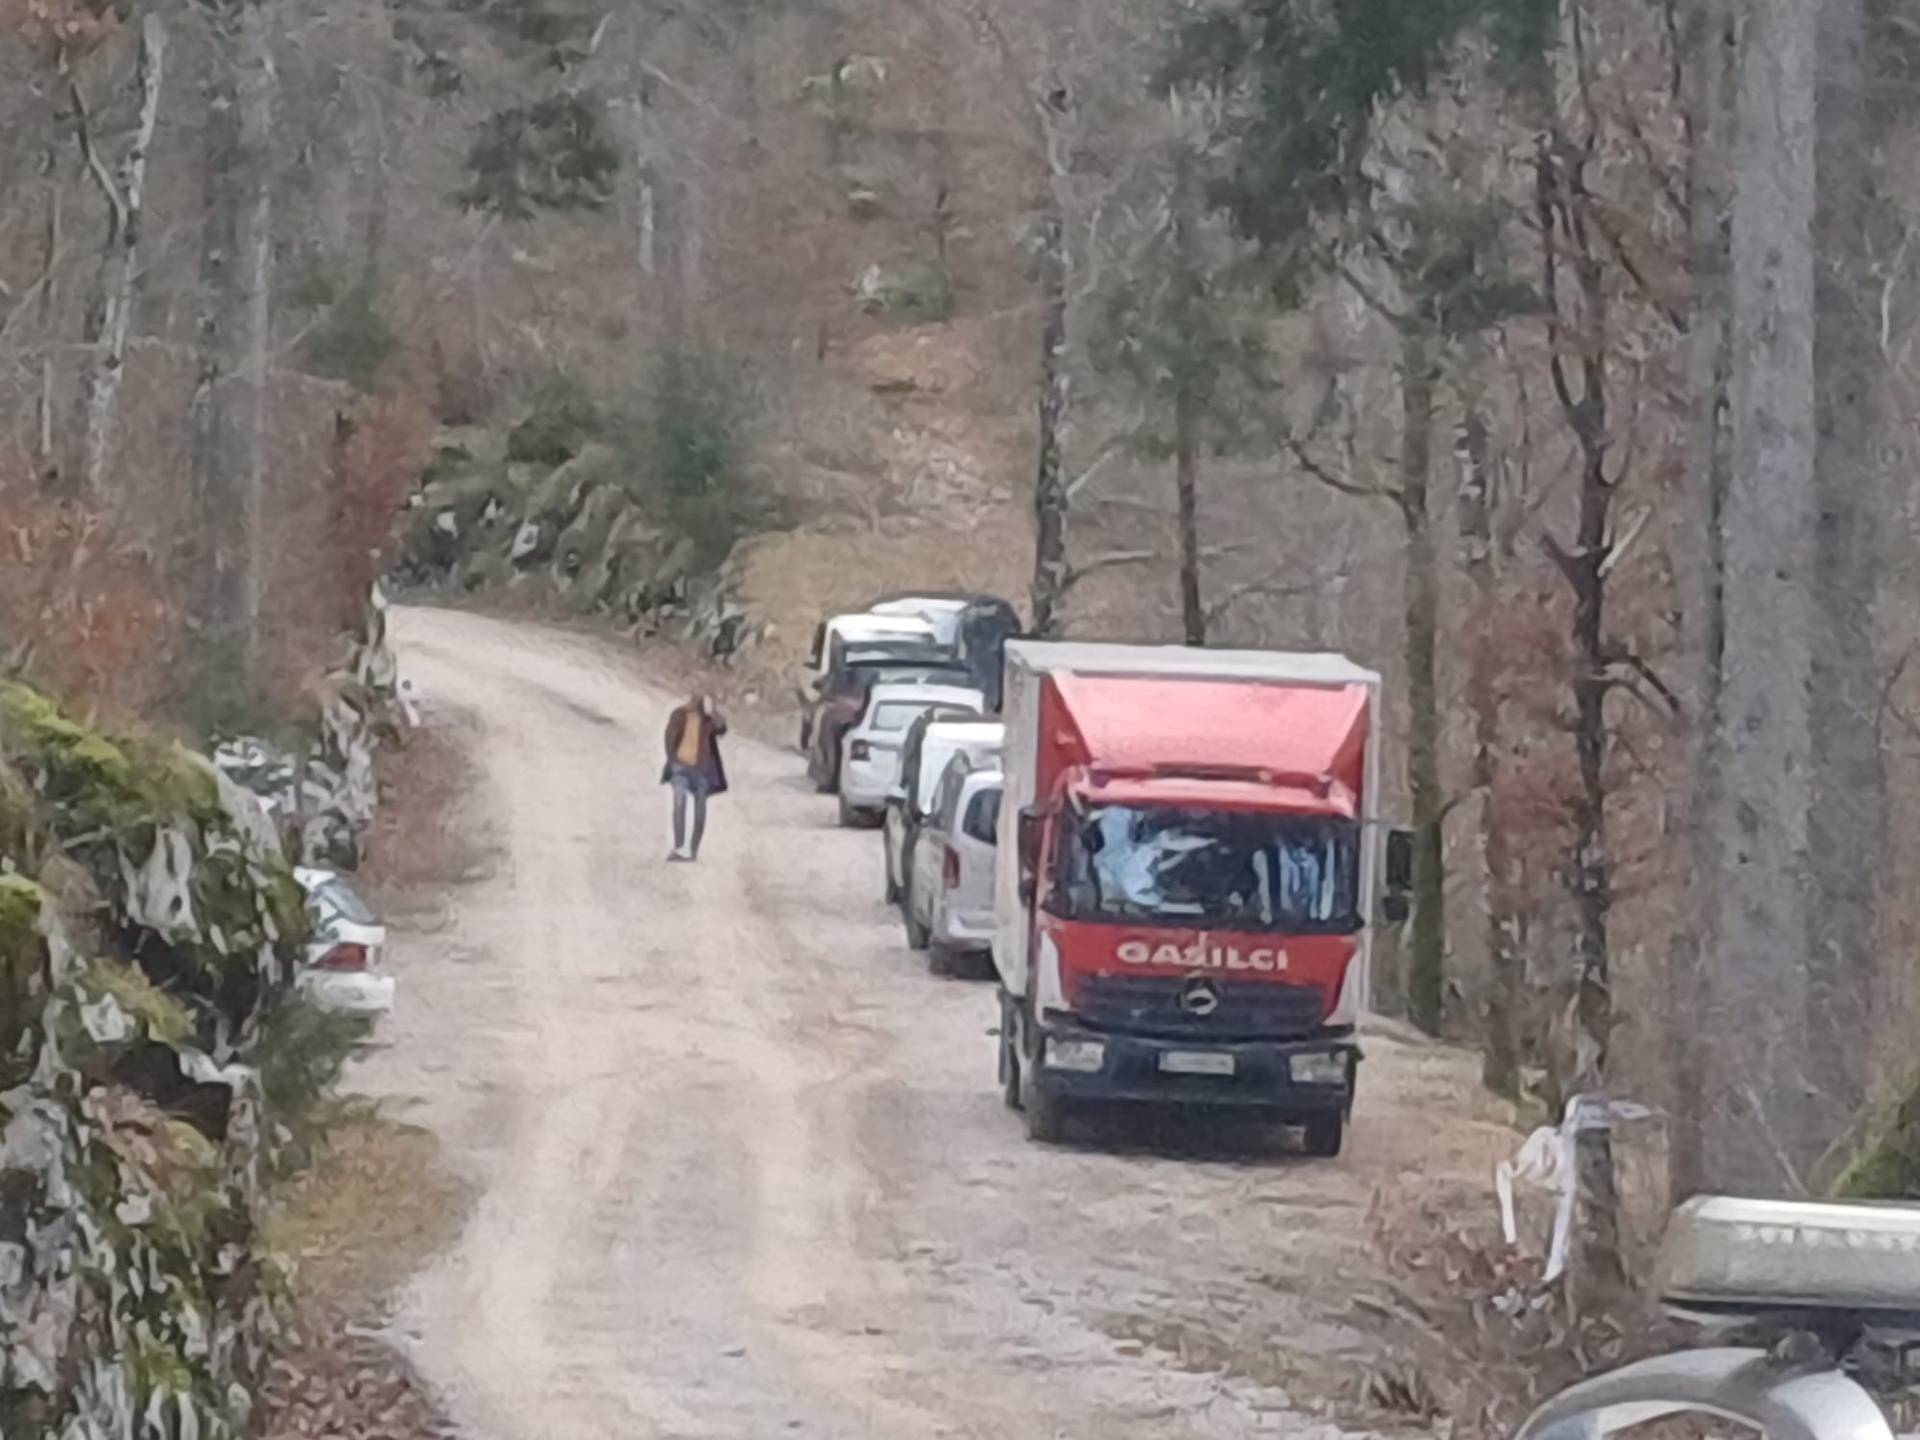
column 742, row 1166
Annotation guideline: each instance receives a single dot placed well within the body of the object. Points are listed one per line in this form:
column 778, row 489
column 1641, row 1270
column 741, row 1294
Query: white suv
column 870, row 751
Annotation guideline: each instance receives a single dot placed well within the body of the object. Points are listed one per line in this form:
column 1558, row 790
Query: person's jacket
column 709, row 766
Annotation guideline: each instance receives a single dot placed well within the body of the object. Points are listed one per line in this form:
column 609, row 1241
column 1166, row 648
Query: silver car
column 932, row 741
column 949, row 908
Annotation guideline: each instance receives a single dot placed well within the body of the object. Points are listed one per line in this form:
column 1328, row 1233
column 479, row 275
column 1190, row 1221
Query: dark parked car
column 976, row 626
column 842, row 695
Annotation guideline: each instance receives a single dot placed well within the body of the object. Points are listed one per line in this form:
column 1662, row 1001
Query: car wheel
column 1321, row 1136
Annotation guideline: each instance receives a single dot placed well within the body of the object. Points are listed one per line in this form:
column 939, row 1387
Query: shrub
column 561, row 418
column 688, row 439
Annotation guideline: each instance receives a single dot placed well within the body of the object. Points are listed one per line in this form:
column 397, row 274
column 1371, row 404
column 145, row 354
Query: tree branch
column 1646, row 672
column 1267, row 589
column 96, row 167
column 1372, row 298
column 1112, row 560
column 1335, row 482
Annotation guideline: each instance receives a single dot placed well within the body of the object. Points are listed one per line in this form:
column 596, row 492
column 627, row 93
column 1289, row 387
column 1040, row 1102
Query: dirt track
column 743, row 1167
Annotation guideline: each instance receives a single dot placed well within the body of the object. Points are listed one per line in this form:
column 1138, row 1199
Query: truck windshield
column 1229, row 870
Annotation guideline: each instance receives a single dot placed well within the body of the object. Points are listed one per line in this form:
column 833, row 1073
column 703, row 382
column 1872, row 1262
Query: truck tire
column 1045, row 1117
column 1044, row 1112
column 1321, row 1136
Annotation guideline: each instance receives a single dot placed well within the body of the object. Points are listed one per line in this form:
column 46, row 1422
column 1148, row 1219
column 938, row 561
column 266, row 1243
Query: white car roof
column 915, row 693
column 946, row 739
column 935, row 605
column 967, row 732
column 853, row 627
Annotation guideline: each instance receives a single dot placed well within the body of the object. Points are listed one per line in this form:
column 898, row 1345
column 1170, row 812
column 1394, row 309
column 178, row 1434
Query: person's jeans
column 687, row 785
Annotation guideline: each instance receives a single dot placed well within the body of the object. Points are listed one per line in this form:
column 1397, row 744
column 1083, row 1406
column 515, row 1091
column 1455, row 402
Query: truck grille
column 1151, row 1004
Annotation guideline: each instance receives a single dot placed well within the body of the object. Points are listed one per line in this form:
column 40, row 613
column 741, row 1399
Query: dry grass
column 378, row 1205
column 417, row 842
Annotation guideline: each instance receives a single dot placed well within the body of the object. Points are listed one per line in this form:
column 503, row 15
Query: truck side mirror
column 1029, row 838
column 1400, row 860
column 1394, row 907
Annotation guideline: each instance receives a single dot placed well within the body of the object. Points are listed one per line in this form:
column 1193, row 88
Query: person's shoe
column 677, row 854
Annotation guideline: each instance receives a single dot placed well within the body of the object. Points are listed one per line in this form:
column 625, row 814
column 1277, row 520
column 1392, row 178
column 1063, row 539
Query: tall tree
column 1756, row 1137
column 1175, row 327
column 1847, row 826
column 1709, row 72
column 231, row 397
column 109, row 315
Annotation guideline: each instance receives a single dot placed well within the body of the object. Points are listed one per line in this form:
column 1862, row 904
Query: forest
column 1554, row 357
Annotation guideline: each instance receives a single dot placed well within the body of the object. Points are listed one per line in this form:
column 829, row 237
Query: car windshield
column 335, row 899
column 1234, row 870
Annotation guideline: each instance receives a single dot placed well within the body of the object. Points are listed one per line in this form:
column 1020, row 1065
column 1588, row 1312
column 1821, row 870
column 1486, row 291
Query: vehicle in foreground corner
column 870, row 752
column 932, row 741
column 1188, row 868
column 1796, row 1299
column 949, row 904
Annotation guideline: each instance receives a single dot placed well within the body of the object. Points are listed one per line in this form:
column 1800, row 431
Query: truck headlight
column 1085, row 1056
column 1323, row 1067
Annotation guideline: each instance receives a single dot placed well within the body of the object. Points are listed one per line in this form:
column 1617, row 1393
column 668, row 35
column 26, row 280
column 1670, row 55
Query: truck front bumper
column 1299, row 1079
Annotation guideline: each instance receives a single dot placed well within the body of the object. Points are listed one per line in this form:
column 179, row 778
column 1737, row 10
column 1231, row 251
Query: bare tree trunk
column 54, row 242
column 1580, row 323
column 1500, row 1060
column 1050, row 577
column 231, row 397
column 120, row 262
column 1186, row 410
column 1847, row 827
column 1755, row 1138
column 1592, row 862
column 1426, row 965
column 380, row 194
column 1699, row 564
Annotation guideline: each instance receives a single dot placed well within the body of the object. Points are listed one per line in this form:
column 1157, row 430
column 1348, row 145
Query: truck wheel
column 1321, row 1136
column 1045, row 1114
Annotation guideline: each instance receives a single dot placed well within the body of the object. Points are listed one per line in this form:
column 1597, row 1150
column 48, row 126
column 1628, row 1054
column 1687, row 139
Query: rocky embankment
column 564, row 533
column 158, row 1067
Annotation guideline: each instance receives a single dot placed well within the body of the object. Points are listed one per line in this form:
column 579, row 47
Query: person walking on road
column 693, row 769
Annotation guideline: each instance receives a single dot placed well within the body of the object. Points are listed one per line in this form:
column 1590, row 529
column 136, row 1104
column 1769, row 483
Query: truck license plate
column 1197, row 1062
